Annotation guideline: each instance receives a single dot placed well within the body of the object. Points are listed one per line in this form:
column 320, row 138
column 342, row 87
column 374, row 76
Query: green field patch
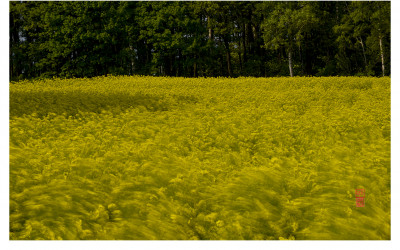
column 69, row 103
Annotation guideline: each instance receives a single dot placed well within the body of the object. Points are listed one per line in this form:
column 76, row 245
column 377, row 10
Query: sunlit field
column 147, row 158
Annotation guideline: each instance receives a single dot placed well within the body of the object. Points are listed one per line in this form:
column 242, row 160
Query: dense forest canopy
column 191, row 39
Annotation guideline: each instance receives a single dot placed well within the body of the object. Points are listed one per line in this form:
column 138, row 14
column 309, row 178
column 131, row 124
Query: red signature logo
column 360, row 196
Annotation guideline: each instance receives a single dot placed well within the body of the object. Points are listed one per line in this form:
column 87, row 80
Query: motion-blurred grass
column 173, row 158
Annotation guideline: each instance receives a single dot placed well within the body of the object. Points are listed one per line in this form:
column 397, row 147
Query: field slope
column 139, row 158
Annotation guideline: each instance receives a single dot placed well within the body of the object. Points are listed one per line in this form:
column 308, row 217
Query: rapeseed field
column 154, row 158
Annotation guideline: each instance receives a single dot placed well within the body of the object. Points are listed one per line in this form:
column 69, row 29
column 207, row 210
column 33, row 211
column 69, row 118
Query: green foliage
column 288, row 23
column 177, row 158
column 358, row 38
column 191, row 39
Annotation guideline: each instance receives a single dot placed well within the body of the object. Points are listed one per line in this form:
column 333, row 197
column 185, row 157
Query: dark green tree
column 85, row 39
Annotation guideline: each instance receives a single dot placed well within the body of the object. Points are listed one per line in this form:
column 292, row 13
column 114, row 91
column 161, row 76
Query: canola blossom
column 153, row 158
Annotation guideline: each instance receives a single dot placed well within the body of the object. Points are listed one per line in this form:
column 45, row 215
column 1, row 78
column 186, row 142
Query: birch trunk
column 363, row 50
column 382, row 56
column 132, row 59
column 290, row 64
column 210, row 31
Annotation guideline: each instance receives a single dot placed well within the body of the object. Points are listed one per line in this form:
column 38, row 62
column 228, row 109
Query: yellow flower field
column 152, row 158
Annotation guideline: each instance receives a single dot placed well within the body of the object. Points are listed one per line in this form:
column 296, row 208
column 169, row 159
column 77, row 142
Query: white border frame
column 67, row 245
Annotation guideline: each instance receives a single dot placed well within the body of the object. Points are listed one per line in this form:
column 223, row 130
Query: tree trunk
column 171, row 65
column 301, row 60
column 210, row 31
column 256, row 34
column 290, row 64
column 228, row 56
column 250, row 39
column 179, row 70
column 194, row 67
column 132, row 59
column 363, row 50
column 244, row 46
column 240, row 56
column 246, row 38
column 255, row 37
column 382, row 56
column 11, row 64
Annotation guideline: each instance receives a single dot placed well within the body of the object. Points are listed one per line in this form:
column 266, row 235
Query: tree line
column 192, row 39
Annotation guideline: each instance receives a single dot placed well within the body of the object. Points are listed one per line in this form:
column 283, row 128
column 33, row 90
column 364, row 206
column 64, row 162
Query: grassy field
column 174, row 158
